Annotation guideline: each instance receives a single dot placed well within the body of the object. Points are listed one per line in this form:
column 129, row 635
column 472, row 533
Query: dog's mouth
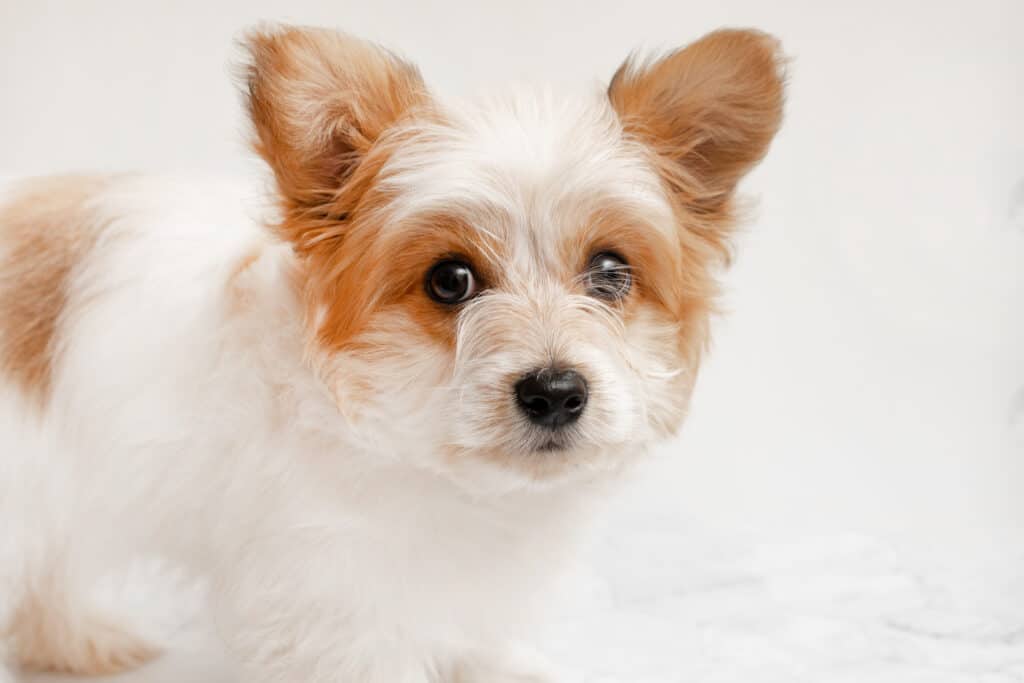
column 554, row 441
column 554, row 444
column 551, row 445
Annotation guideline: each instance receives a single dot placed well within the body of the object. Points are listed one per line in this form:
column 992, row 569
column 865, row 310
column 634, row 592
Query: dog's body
column 378, row 424
column 183, row 430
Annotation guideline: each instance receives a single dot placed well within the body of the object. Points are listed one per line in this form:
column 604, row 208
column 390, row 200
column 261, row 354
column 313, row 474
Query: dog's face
column 515, row 290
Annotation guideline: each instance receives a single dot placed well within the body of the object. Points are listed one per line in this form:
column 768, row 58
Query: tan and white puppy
column 374, row 413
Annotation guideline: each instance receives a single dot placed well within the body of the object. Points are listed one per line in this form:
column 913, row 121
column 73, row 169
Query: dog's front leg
column 287, row 615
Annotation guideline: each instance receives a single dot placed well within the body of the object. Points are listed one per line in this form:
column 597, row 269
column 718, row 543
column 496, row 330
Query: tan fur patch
column 46, row 230
column 239, row 294
column 375, row 271
column 326, row 109
column 706, row 115
column 52, row 633
column 671, row 276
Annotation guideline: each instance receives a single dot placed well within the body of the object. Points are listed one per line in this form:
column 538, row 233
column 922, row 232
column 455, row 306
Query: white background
column 869, row 375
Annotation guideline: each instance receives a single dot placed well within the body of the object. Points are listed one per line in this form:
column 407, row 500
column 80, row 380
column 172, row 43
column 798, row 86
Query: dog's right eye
column 608, row 276
column 451, row 282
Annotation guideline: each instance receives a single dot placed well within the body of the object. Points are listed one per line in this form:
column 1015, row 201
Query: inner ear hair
column 319, row 100
column 708, row 111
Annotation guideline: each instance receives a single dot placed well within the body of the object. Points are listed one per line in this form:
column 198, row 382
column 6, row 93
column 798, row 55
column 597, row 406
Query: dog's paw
column 514, row 664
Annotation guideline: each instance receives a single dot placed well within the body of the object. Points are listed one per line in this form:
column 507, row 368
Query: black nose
column 552, row 398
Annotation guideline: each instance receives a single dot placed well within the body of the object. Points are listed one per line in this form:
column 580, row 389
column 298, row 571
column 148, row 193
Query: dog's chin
column 541, row 461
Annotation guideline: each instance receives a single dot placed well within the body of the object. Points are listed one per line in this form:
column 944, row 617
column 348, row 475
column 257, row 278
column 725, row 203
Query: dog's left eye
column 451, row 282
column 608, row 276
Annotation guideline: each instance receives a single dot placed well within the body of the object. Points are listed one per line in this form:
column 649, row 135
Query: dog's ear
column 319, row 100
column 708, row 112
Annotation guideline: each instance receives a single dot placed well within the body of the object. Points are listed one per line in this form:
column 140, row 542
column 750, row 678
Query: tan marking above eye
column 379, row 266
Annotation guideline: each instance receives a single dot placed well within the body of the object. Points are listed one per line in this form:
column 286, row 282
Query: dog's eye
column 608, row 276
column 451, row 282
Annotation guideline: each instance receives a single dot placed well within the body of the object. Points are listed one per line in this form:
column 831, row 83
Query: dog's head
column 516, row 289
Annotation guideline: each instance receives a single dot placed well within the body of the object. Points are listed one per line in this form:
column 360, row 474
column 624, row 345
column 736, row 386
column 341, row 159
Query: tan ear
column 319, row 100
column 709, row 111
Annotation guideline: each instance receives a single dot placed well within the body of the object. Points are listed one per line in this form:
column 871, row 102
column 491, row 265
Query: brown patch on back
column 53, row 632
column 46, row 230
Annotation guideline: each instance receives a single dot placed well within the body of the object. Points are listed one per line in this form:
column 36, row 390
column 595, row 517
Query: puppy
column 374, row 410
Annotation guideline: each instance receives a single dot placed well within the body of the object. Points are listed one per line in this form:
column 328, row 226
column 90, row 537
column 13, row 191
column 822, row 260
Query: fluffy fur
column 267, row 395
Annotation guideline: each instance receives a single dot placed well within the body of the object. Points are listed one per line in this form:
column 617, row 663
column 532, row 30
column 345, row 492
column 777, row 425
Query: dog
column 375, row 408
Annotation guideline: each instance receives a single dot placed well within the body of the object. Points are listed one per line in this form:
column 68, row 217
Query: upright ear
column 319, row 100
column 708, row 111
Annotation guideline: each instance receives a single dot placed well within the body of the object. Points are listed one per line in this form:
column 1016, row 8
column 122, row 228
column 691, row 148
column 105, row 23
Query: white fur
column 341, row 546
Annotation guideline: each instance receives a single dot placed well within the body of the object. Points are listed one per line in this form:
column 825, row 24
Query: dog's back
column 112, row 302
